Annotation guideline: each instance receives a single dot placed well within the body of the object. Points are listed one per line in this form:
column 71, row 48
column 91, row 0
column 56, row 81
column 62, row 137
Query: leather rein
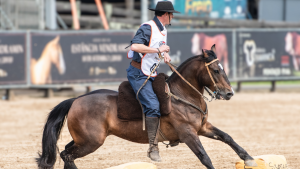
column 213, row 95
column 205, row 98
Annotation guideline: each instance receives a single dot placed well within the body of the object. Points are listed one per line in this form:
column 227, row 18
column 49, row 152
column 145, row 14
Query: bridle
column 212, row 94
column 217, row 90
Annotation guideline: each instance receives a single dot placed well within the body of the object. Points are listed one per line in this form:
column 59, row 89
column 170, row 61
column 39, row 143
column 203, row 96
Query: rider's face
column 171, row 17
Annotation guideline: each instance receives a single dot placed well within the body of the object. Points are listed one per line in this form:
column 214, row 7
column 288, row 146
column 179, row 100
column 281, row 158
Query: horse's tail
column 52, row 129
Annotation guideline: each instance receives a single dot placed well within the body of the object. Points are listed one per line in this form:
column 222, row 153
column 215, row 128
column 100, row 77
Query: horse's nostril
column 229, row 94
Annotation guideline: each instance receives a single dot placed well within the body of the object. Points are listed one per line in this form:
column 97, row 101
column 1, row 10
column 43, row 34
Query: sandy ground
column 266, row 123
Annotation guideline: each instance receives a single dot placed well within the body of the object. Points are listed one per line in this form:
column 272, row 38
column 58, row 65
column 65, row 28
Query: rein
column 178, row 98
column 212, row 94
column 137, row 93
column 187, row 102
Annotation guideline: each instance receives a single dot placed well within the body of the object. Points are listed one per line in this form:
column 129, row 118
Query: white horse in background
column 202, row 41
column 41, row 68
column 292, row 46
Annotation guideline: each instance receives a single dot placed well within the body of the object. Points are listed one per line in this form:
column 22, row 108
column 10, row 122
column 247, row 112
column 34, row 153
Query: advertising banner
column 268, row 54
column 186, row 44
column 229, row 9
column 13, row 59
column 79, row 57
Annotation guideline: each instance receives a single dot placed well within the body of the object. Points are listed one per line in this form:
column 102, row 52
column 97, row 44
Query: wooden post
column 273, row 87
column 239, row 86
column 74, row 14
column 48, row 93
column 102, row 14
column 129, row 7
column 9, row 94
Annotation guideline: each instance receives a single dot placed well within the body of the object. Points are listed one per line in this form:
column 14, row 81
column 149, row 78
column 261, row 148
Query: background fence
column 56, row 59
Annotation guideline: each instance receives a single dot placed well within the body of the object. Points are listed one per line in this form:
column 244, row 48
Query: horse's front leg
column 211, row 131
column 190, row 138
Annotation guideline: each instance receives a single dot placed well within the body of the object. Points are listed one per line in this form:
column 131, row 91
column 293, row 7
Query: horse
column 202, row 41
column 292, row 46
column 93, row 116
column 41, row 68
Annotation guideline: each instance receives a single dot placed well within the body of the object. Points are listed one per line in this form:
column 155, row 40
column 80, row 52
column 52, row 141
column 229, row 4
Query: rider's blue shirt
column 143, row 35
column 136, row 77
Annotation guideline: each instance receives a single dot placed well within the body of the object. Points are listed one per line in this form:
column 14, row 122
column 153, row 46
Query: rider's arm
column 141, row 40
column 141, row 48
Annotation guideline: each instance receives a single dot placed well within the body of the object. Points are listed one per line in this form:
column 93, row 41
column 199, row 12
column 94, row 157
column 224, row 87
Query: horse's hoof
column 70, row 165
column 250, row 163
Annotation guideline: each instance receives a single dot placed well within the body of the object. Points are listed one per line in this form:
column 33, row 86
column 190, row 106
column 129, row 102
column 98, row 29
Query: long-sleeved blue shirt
column 143, row 35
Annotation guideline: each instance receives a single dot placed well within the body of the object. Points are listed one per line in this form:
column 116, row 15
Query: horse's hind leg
column 211, row 131
column 69, row 144
column 74, row 151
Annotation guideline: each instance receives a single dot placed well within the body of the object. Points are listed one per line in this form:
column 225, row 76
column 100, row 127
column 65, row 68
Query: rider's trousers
column 146, row 95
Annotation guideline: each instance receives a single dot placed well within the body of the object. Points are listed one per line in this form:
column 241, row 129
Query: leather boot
column 152, row 124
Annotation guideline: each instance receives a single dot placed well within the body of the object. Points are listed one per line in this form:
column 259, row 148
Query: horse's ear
column 204, row 53
column 56, row 39
column 213, row 48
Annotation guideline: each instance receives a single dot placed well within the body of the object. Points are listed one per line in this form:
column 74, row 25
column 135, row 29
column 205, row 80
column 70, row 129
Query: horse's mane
column 211, row 57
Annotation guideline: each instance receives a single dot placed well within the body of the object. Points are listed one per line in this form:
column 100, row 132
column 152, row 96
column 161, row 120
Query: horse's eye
column 216, row 71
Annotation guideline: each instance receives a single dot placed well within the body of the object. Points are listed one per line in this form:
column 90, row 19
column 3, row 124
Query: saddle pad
column 129, row 107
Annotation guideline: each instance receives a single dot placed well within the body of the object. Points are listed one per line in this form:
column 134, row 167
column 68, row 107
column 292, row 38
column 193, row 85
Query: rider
column 150, row 39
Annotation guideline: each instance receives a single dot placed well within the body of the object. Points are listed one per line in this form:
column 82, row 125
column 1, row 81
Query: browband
column 206, row 64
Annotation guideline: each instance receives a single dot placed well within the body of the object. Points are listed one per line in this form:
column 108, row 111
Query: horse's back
column 97, row 111
column 96, row 100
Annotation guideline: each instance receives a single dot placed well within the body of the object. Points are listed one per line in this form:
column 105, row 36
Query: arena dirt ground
column 262, row 123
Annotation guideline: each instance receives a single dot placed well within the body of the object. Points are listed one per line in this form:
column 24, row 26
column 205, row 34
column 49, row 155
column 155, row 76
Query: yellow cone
column 265, row 162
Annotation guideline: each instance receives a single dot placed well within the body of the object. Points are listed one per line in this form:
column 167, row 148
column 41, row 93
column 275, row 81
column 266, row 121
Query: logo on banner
column 249, row 50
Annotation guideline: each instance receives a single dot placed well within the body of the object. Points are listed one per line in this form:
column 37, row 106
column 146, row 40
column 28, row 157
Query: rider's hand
column 167, row 58
column 164, row 48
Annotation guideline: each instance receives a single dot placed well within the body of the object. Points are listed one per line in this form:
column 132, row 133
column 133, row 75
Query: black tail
column 52, row 129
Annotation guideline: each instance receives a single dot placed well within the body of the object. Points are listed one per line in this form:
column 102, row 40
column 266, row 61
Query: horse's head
column 56, row 55
column 213, row 75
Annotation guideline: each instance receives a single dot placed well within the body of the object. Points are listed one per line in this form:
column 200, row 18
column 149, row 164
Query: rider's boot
column 152, row 124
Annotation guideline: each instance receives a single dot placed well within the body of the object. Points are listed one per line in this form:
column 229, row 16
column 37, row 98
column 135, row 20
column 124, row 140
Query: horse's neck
column 43, row 64
column 44, row 59
column 180, row 88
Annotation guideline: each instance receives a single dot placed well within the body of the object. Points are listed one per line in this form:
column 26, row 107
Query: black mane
column 211, row 57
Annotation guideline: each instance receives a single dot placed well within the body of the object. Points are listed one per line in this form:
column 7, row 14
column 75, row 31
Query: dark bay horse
column 92, row 117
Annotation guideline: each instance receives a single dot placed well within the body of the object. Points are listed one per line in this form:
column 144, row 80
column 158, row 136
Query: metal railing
column 22, row 14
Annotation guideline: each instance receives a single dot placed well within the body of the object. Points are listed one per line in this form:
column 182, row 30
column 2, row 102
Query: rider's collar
column 158, row 23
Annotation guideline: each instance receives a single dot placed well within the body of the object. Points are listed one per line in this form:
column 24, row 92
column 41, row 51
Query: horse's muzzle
column 229, row 95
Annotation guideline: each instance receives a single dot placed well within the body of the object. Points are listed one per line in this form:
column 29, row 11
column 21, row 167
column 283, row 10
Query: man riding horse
column 150, row 39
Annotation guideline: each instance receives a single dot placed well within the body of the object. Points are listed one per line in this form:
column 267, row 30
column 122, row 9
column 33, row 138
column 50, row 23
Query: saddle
column 129, row 108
